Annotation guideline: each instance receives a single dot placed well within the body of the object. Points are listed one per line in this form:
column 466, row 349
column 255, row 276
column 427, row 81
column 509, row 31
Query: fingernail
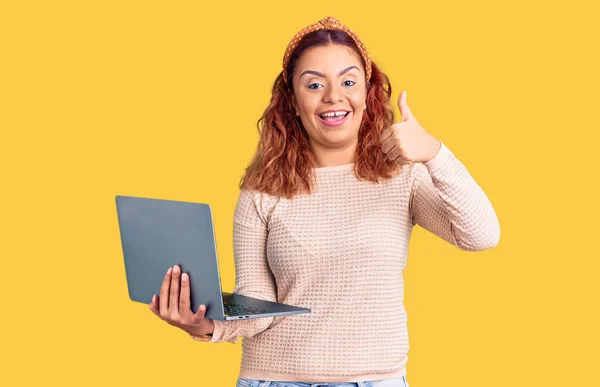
column 202, row 308
column 176, row 269
column 153, row 297
column 169, row 271
column 184, row 276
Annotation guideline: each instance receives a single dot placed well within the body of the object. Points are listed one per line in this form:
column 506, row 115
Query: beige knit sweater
column 340, row 252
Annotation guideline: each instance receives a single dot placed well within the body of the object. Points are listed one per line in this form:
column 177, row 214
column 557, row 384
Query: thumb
column 404, row 109
column 199, row 315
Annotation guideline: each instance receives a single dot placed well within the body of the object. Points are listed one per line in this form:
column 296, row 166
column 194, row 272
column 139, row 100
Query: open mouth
column 336, row 117
column 334, row 120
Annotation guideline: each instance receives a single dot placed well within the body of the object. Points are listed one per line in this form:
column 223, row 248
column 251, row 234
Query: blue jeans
column 395, row 382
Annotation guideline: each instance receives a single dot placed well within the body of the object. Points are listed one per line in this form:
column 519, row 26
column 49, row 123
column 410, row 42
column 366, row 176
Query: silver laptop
column 157, row 234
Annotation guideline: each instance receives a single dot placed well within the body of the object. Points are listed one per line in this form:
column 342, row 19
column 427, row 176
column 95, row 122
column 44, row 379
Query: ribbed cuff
column 218, row 332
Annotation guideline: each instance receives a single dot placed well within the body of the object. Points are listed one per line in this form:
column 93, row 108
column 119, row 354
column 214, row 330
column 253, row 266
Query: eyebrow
column 323, row 75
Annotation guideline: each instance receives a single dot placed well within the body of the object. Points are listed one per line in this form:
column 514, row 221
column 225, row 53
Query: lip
column 334, row 123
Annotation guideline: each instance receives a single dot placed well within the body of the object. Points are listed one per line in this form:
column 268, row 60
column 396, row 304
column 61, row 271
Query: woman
column 324, row 218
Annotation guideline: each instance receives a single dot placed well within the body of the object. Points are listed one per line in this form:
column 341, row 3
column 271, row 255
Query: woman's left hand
column 406, row 142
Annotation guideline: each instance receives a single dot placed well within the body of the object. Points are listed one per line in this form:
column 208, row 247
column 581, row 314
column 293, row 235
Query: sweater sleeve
column 447, row 201
column 253, row 275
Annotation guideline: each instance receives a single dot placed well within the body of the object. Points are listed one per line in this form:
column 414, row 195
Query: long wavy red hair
column 284, row 161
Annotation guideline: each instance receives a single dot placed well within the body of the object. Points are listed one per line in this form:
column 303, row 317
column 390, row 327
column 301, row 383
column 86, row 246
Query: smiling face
column 330, row 79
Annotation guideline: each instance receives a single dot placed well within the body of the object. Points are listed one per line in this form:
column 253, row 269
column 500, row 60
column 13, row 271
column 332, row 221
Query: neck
column 327, row 157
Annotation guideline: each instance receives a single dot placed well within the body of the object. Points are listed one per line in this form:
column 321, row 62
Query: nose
column 333, row 94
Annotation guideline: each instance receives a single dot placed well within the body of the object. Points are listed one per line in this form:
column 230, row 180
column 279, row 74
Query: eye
column 345, row 83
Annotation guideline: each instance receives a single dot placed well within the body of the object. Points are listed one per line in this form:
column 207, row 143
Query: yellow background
column 161, row 99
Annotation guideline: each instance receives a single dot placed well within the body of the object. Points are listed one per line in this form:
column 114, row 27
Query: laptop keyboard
column 238, row 310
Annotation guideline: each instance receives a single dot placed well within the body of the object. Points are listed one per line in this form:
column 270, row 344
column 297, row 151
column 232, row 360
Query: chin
column 341, row 136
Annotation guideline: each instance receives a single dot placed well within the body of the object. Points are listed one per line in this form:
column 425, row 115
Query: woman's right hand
column 174, row 307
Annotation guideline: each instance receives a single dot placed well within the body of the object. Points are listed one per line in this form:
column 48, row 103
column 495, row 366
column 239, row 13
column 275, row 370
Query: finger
column 184, row 296
column 402, row 161
column 174, row 293
column 394, row 153
column 390, row 144
column 164, row 293
column 199, row 315
column 389, row 132
column 154, row 306
column 404, row 109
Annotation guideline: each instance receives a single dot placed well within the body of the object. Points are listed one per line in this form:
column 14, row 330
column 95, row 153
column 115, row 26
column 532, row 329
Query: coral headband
column 328, row 23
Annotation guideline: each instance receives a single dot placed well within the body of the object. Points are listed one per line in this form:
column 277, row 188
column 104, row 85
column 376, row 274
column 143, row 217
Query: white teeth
column 334, row 114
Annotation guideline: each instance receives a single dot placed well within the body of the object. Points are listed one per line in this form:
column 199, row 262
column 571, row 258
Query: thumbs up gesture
column 406, row 142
